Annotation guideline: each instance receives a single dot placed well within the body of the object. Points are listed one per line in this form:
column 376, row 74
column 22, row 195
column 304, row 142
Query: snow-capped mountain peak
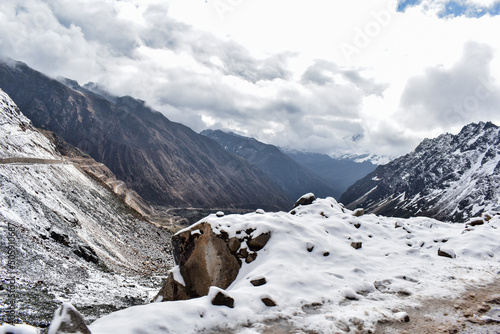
column 451, row 177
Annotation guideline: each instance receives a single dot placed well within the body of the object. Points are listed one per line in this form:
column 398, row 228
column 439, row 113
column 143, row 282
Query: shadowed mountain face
column 165, row 162
column 294, row 179
column 340, row 173
column 451, row 177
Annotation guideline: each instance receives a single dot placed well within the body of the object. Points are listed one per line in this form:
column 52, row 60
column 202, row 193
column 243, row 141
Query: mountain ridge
column 451, row 177
column 294, row 179
column 165, row 162
column 340, row 172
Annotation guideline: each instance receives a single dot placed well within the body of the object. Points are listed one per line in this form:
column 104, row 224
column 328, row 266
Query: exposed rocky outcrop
column 207, row 259
column 67, row 320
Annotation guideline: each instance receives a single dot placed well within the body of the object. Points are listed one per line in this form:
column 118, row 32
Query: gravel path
column 476, row 311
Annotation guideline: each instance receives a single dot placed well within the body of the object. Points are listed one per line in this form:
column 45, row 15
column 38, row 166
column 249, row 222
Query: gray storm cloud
column 443, row 97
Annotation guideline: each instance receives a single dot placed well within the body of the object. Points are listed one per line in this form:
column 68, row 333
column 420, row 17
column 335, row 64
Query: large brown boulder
column 207, row 259
column 204, row 260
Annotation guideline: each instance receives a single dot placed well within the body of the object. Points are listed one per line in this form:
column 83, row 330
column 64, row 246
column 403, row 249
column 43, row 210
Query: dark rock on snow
column 223, row 299
column 305, row 200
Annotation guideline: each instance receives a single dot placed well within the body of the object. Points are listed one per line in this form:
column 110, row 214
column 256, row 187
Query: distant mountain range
column 294, row 179
column 451, row 178
column 165, row 162
column 339, row 172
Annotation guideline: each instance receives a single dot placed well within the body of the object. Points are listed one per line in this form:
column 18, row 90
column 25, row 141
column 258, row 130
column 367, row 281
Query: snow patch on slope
column 18, row 138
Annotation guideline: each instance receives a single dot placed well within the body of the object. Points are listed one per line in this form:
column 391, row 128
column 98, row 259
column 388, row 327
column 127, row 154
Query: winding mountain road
column 31, row 161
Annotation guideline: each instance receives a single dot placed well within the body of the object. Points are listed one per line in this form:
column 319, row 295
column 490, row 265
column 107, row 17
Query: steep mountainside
column 340, row 173
column 452, row 177
column 294, row 179
column 99, row 171
column 66, row 236
column 165, row 162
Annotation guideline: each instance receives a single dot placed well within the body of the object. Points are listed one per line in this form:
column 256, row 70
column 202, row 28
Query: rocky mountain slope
column 66, row 236
column 165, row 162
column 294, row 179
column 451, row 177
column 101, row 173
column 340, row 173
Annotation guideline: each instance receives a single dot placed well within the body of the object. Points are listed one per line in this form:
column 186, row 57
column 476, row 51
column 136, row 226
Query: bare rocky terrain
column 476, row 311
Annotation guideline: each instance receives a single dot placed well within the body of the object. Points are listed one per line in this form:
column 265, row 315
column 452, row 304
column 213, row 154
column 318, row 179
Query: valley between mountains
column 114, row 219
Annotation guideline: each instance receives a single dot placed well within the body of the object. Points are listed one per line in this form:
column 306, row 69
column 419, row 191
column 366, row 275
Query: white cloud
column 274, row 70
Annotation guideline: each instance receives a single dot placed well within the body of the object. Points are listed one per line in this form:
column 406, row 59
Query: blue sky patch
column 459, row 8
column 456, row 8
column 403, row 4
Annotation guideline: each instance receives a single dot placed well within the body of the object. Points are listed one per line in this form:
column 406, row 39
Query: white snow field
column 320, row 282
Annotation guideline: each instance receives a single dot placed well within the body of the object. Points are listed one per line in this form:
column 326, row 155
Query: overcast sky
column 329, row 76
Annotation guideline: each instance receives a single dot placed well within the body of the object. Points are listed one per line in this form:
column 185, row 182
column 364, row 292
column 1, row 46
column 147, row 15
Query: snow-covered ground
column 320, row 282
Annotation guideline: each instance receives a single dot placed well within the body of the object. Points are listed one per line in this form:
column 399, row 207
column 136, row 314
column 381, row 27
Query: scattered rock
column 358, row 212
column 356, row 244
column 269, row 302
column 256, row 244
column 234, row 244
column 446, row 252
column 251, row 257
column 86, row 253
column 305, row 200
column 495, row 300
column 310, row 247
column 63, row 239
column 259, row 281
column 243, row 253
column 222, row 299
column 219, row 214
column 398, row 224
column 67, row 320
column 325, row 254
column 357, row 225
column 260, row 211
column 475, row 222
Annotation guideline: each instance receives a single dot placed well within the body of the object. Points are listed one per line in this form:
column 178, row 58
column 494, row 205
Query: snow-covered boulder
column 207, row 258
column 305, row 200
